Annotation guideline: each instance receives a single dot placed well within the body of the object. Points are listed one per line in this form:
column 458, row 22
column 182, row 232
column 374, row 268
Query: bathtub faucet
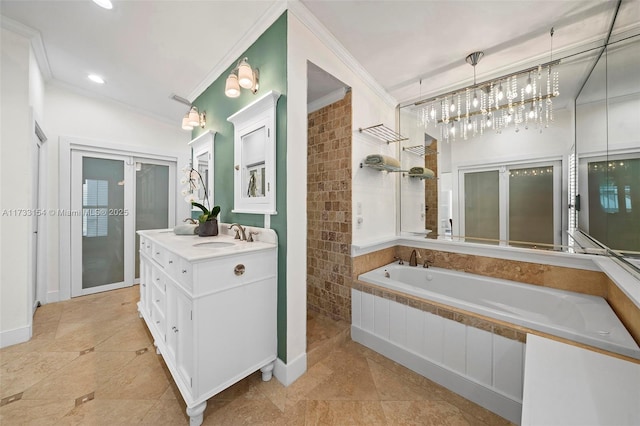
column 413, row 260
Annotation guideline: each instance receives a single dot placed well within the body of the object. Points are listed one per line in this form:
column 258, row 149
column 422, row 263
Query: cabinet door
column 184, row 338
column 180, row 333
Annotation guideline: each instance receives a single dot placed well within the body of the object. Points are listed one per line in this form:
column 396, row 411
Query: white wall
column 16, row 187
column 375, row 190
column 71, row 114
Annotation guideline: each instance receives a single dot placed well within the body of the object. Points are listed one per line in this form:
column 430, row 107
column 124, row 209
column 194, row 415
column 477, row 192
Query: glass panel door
column 482, row 205
column 101, row 223
column 152, row 208
column 531, row 205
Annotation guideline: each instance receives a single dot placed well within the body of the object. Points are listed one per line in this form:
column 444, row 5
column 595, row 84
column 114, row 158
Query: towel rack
column 420, row 150
column 382, row 132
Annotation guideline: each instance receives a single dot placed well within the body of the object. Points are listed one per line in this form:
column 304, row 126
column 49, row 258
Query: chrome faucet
column 240, row 235
column 413, row 260
column 191, row 221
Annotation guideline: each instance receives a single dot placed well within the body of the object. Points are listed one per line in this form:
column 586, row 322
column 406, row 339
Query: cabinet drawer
column 226, row 273
column 184, row 274
column 159, row 323
column 159, row 253
column 145, row 245
column 158, row 295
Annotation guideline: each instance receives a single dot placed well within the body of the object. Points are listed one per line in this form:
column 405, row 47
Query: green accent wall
column 269, row 54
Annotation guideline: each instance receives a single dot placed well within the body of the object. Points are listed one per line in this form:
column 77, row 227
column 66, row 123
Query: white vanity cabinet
column 211, row 311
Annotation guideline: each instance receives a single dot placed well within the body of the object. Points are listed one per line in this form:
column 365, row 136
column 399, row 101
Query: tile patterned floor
column 92, row 362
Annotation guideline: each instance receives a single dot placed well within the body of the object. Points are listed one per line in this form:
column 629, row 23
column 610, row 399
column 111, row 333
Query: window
column 519, row 204
column 95, row 201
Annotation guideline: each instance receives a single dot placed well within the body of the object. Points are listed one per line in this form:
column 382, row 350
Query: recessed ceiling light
column 96, row 78
column 104, row 4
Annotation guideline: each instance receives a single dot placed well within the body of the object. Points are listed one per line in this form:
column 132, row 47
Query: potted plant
column 208, row 222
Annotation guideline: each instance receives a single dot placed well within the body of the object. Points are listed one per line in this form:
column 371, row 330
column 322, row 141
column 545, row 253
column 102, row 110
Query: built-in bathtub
column 473, row 358
column 578, row 317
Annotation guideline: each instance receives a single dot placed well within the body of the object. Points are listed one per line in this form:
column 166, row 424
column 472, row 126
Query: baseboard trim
column 15, row 336
column 289, row 373
column 53, row 296
column 481, row 395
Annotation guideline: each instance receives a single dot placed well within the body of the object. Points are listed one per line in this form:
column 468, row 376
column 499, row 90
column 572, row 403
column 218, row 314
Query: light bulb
column 469, row 125
column 453, row 106
column 528, row 87
column 475, row 100
column 500, row 92
column 532, row 113
column 453, row 128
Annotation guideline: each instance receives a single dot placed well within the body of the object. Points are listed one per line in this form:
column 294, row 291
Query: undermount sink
column 213, row 244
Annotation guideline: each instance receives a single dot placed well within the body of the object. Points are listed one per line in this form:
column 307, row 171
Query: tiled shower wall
column 329, row 210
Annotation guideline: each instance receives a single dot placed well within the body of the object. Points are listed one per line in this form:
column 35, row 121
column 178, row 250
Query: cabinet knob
column 157, row 279
column 184, row 271
column 144, row 285
column 239, row 269
column 157, row 300
column 157, row 252
column 175, row 330
column 170, row 262
column 157, row 322
column 237, row 167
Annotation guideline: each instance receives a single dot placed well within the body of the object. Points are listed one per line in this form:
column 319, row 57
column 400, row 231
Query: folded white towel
column 382, row 162
column 186, row 229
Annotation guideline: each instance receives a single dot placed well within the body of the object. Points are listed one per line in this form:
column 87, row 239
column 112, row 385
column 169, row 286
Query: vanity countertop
column 194, row 248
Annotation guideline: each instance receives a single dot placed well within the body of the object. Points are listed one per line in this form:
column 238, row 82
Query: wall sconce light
column 242, row 76
column 193, row 119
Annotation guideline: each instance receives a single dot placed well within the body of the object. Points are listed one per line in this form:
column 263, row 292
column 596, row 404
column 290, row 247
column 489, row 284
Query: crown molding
column 268, row 18
column 37, row 44
column 309, row 20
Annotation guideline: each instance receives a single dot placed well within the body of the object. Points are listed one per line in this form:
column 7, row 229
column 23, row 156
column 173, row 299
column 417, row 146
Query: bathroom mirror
column 608, row 149
column 254, row 156
column 202, row 161
column 488, row 186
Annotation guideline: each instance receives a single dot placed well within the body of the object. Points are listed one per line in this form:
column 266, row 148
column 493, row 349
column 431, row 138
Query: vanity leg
column 196, row 414
column 157, row 349
column 267, row 371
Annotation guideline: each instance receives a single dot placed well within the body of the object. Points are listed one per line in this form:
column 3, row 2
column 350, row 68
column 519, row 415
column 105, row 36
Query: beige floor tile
column 392, row 387
column 35, row 412
column 167, row 412
column 242, row 411
column 312, row 378
column 20, row 371
column 344, row 413
column 424, row 413
column 141, row 378
column 350, row 379
column 131, row 336
column 109, row 412
column 80, row 376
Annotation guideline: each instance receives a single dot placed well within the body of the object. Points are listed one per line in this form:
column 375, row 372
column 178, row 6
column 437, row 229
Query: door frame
column 67, row 145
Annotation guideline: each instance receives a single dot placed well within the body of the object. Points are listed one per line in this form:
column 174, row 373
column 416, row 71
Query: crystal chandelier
column 523, row 99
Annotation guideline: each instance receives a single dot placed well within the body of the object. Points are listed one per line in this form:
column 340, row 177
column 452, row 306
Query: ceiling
column 149, row 50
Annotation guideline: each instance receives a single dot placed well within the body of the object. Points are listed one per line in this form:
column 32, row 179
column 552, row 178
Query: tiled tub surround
column 329, row 210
